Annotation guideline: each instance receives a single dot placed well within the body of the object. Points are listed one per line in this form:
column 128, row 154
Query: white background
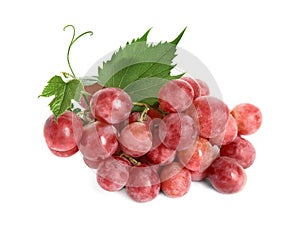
column 252, row 48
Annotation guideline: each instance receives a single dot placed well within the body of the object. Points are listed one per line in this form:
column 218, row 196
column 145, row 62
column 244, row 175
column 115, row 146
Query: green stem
column 73, row 40
column 144, row 112
column 131, row 159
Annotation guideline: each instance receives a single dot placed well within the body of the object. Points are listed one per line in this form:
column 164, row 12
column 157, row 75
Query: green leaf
column 63, row 92
column 139, row 67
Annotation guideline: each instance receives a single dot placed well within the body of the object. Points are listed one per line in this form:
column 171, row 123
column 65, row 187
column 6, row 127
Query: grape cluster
column 189, row 136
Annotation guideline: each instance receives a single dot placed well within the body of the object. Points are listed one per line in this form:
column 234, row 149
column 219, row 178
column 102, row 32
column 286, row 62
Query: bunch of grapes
column 189, row 136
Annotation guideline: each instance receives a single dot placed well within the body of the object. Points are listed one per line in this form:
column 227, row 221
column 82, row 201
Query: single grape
column 175, row 180
column 161, row 155
column 113, row 173
column 211, row 114
column 136, row 139
column 194, row 84
column 63, row 136
column 226, row 175
column 248, row 118
column 204, row 89
column 112, row 105
column 229, row 134
column 191, row 157
column 241, row 150
column 178, row 131
column 175, row 96
column 99, row 140
column 92, row 163
column 143, row 184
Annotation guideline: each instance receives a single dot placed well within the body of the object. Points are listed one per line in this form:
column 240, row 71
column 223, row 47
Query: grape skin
column 191, row 158
column 229, row 134
column 248, row 118
column 241, row 150
column 112, row 105
column 63, row 136
column 226, row 175
column 194, row 84
column 161, row 155
column 93, row 164
column 178, row 131
column 204, row 89
column 143, row 184
column 136, row 139
column 175, row 180
column 99, row 140
column 112, row 174
column 211, row 114
column 175, row 96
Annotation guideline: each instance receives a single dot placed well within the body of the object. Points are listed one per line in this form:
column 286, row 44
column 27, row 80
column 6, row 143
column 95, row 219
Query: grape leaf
column 140, row 67
column 63, row 92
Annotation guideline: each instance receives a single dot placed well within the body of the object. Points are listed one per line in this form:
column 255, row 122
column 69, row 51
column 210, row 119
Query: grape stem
column 131, row 159
column 144, row 112
column 73, row 40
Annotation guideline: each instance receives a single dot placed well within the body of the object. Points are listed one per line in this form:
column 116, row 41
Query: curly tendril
column 73, row 40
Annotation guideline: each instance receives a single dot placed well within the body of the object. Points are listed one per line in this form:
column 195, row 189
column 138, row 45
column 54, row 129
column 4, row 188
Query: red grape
column 136, row 139
column 229, row 134
column 143, row 184
column 211, row 114
column 153, row 113
column 241, row 150
column 194, row 84
column 178, row 131
column 204, row 89
column 63, row 136
column 99, row 140
column 112, row 173
column 226, row 175
column 161, row 155
column 248, row 118
column 175, row 96
column 175, row 180
column 112, row 105
column 191, row 158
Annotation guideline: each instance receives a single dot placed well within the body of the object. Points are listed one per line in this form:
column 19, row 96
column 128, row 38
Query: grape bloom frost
column 147, row 131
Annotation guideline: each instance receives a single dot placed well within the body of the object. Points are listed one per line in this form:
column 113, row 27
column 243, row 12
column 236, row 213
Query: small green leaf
column 64, row 93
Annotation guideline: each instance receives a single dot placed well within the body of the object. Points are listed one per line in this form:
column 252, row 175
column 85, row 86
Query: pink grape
column 112, row 105
column 99, row 140
column 248, row 118
column 229, row 134
column 175, row 96
column 143, row 184
column 211, row 114
column 226, row 175
column 178, row 131
column 208, row 158
column 194, row 84
column 136, row 139
column 112, row 174
column 63, row 136
column 161, row 155
column 203, row 87
column 175, row 180
column 241, row 150
column 191, row 157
